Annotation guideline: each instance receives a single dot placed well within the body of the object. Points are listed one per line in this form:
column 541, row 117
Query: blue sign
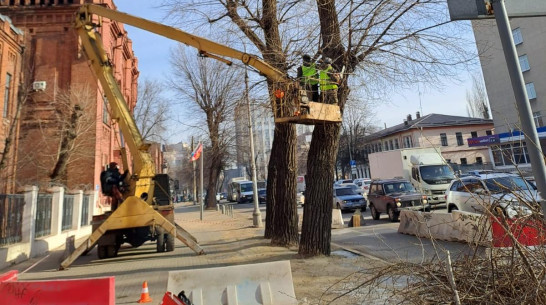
column 352, row 163
column 484, row 141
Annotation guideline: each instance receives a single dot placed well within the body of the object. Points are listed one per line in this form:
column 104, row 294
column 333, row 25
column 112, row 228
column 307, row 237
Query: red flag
column 197, row 152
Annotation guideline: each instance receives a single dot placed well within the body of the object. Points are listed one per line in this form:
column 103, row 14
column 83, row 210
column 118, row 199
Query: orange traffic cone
column 145, row 296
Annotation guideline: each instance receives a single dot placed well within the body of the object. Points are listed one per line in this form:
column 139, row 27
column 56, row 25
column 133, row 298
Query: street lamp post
column 256, row 215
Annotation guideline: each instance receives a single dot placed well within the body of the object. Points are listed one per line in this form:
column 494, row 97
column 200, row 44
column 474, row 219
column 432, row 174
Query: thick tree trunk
column 271, row 200
column 317, row 215
column 317, row 211
column 282, row 216
column 285, row 217
column 215, row 160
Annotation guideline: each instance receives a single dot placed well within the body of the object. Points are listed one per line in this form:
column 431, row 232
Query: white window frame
column 531, row 93
column 518, row 38
column 537, row 117
column 524, row 63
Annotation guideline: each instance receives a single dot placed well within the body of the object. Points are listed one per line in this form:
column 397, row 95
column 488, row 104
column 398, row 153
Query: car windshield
column 261, row 192
column 398, row 187
column 436, row 174
column 506, row 184
column 345, row 191
column 246, row 187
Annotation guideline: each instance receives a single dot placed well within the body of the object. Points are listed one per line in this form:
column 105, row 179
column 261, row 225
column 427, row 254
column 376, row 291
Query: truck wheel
column 393, row 216
column 169, row 244
column 374, row 212
column 101, row 252
column 160, row 242
column 111, row 251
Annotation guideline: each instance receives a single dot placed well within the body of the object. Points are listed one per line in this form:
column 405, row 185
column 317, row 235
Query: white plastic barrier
column 255, row 284
column 455, row 226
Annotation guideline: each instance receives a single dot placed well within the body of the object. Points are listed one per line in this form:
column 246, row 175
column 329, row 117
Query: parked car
column 343, row 181
column 393, row 195
column 364, row 184
column 507, row 191
column 355, row 187
column 262, row 196
column 345, row 198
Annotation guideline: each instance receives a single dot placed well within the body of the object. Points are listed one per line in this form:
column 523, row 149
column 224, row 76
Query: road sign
column 352, row 163
column 483, row 9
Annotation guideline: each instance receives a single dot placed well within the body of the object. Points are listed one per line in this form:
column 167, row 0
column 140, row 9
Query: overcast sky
column 152, row 52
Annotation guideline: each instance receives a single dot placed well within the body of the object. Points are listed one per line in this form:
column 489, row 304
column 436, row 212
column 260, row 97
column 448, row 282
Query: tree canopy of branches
column 213, row 88
column 74, row 112
column 151, row 111
column 385, row 42
column 476, row 99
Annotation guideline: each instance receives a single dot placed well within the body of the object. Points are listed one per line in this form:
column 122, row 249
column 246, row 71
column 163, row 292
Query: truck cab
column 431, row 175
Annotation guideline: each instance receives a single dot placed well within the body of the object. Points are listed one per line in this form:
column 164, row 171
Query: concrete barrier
column 264, row 283
column 455, row 226
column 91, row 291
column 337, row 219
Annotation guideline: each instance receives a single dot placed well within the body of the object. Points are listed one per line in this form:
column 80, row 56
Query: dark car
column 262, row 196
column 393, row 195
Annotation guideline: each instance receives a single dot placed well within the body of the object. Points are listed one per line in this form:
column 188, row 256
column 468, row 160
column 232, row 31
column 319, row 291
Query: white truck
column 240, row 190
column 425, row 168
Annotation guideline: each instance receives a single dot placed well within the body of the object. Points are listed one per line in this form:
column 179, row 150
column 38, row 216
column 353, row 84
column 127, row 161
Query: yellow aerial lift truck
column 140, row 217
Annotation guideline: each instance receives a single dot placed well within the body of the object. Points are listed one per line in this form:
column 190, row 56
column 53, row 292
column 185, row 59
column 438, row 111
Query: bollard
column 231, row 210
column 223, row 208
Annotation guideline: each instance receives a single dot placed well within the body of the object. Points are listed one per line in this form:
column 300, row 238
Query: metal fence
column 68, row 211
column 11, row 209
column 85, row 210
column 43, row 215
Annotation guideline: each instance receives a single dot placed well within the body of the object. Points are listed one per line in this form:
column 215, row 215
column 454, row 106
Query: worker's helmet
column 306, row 57
column 112, row 165
column 327, row 60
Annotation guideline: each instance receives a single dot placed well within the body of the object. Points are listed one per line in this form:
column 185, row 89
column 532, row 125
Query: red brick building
column 11, row 57
column 71, row 91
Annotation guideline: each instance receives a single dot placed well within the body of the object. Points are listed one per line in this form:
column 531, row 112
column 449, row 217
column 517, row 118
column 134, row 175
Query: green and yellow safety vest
column 309, row 74
column 325, row 82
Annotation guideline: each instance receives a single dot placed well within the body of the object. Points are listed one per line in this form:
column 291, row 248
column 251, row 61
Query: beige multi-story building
column 448, row 133
column 530, row 40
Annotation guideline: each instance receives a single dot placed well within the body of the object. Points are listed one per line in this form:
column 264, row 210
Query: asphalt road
column 380, row 239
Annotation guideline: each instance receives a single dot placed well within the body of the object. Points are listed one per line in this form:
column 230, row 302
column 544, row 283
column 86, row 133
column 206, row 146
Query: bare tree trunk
column 317, row 215
column 282, row 226
column 285, row 217
column 317, row 210
column 270, row 191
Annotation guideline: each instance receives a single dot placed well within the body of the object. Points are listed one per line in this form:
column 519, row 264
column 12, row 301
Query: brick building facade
column 56, row 58
column 11, row 57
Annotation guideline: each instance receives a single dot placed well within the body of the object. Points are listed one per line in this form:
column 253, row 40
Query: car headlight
column 344, row 201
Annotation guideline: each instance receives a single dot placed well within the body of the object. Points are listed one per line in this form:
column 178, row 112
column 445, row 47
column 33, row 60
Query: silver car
column 345, row 198
column 512, row 193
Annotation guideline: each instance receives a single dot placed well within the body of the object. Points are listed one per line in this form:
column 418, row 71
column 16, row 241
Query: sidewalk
column 226, row 240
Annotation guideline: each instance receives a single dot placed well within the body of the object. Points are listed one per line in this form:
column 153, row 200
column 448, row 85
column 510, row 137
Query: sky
column 153, row 53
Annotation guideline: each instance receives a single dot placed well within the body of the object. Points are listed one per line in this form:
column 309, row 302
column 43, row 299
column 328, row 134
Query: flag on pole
column 196, row 153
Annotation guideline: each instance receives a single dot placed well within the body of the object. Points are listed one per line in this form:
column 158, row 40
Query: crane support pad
column 318, row 113
column 133, row 213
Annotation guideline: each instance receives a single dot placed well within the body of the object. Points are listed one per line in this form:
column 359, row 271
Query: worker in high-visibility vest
column 309, row 79
column 329, row 80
